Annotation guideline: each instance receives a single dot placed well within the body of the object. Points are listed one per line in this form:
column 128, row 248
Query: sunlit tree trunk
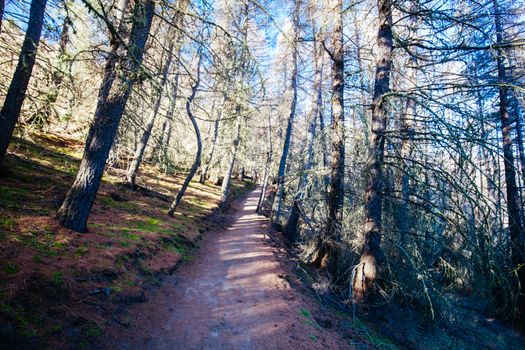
column 368, row 272
column 267, row 168
column 329, row 249
column 233, row 154
column 75, row 210
column 290, row 230
column 165, row 130
column 10, row 112
column 277, row 204
column 197, row 162
column 209, row 157
column 407, row 137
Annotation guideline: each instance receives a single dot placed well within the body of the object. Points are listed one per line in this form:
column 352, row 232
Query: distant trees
column 115, row 91
column 10, row 112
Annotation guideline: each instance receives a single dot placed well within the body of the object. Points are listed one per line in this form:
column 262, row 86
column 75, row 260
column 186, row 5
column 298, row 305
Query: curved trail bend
column 229, row 296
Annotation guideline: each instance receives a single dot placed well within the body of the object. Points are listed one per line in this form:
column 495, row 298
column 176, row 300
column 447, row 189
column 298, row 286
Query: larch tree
column 513, row 198
column 329, row 246
column 368, row 271
column 10, row 112
column 173, row 39
column 115, row 91
column 197, row 162
column 277, row 205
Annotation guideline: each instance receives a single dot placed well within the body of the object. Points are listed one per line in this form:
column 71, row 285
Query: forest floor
column 59, row 288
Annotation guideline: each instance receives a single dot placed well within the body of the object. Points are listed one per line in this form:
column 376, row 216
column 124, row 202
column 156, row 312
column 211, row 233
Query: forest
column 368, row 156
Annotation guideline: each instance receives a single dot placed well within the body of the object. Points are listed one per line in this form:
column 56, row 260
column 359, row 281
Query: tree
column 204, row 173
column 368, row 272
column 290, row 230
column 115, row 91
column 513, row 198
column 10, row 112
column 173, row 40
column 277, row 205
column 197, row 161
column 329, row 251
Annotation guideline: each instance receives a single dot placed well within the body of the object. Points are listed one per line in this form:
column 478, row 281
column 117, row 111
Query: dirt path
column 231, row 295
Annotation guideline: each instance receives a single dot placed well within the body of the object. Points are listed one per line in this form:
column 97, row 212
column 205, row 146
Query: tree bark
column 141, row 147
column 75, row 210
column 209, row 157
column 227, row 176
column 407, row 136
column 277, row 205
column 513, row 199
column 10, row 112
column 267, row 167
column 165, row 135
column 197, row 162
column 368, row 272
column 290, row 230
column 329, row 250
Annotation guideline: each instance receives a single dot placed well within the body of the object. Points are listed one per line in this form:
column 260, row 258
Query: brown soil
column 233, row 294
column 58, row 288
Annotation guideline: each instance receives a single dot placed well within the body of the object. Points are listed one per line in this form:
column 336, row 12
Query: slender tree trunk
column 513, row 200
column 75, row 210
column 267, row 167
column 407, row 137
column 141, row 147
column 209, row 157
column 329, row 250
column 235, row 145
column 277, row 205
column 290, row 230
column 197, row 162
column 368, row 272
column 163, row 145
column 10, row 112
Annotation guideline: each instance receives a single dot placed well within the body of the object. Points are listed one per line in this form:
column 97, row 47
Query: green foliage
column 58, row 278
column 10, row 268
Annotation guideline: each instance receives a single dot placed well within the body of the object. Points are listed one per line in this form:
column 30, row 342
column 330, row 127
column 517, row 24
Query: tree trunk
column 209, row 157
column 197, row 162
column 277, row 205
column 368, row 272
column 165, row 135
column 113, row 57
column 227, row 176
column 290, row 230
column 14, row 99
column 141, row 147
column 407, row 137
column 513, row 200
column 329, row 251
column 75, row 210
column 267, row 167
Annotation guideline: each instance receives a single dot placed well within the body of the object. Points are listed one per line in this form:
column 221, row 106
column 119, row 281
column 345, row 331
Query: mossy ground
column 47, row 270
